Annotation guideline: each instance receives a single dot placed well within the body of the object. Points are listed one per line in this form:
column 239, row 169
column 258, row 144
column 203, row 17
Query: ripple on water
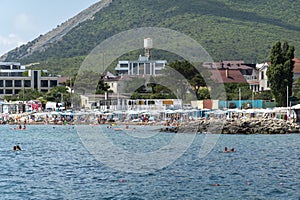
column 54, row 164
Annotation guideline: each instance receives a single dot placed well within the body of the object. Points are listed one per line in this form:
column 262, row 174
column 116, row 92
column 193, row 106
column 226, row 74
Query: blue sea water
column 55, row 163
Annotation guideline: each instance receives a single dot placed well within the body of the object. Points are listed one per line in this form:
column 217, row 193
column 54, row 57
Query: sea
column 140, row 162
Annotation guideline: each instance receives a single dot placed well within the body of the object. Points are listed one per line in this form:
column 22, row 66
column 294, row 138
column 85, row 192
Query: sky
column 24, row 20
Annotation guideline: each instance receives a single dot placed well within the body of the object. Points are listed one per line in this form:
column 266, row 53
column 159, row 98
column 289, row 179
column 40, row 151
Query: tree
column 89, row 82
column 58, row 94
column 280, row 72
column 27, row 95
column 197, row 82
column 233, row 89
column 203, row 93
column 101, row 86
column 136, row 84
column 191, row 79
column 152, row 84
column 265, row 95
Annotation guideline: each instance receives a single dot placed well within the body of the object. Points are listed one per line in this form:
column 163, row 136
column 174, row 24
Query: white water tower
column 148, row 45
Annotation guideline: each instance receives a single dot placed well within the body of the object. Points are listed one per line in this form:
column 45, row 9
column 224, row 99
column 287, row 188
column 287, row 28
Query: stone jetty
column 237, row 126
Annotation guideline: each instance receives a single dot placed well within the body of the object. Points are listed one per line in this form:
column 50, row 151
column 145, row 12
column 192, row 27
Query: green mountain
column 227, row 29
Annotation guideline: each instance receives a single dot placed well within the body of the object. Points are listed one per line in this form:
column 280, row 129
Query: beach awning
column 169, row 112
column 296, row 106
column 132, row 112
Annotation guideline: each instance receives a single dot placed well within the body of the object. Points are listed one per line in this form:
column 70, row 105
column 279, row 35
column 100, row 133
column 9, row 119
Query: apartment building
column 14, row 77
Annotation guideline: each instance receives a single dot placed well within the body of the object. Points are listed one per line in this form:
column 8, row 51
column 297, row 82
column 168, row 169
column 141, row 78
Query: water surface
column 54, row 164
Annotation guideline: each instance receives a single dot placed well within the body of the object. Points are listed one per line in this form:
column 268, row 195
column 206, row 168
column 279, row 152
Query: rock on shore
column 238, row 126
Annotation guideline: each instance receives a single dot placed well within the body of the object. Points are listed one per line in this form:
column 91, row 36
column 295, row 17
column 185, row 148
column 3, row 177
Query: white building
column 142, row 66
column 113, row 102
column 262, row 76
column 14, row 77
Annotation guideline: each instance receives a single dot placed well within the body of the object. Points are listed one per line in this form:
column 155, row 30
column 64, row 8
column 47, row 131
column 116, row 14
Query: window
column 148, row 68
column 35, row 79
column 53, row 83
column 17, row 91
column 262, row 75
column 27, row 83
column 4, row 67
column 1, row 83
column 3, row 74
column 8, row 91
column 18, row 83
column 8, row 83
column 15, row 67
column 1, row 91
column 123, row 65
column 44, row 83
column 16, row 74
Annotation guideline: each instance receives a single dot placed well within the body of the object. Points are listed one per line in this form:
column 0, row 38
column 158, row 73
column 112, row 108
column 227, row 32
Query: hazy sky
column 24, row 20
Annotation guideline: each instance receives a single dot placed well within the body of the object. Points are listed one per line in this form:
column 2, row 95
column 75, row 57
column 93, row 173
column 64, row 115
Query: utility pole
column 287, row 96
column 240, row 97
column 252, row 99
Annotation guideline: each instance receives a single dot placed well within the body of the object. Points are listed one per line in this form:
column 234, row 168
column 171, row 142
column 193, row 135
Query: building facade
column 142, row 66
column 14, row 77
column 233, row 71
column 262, row 76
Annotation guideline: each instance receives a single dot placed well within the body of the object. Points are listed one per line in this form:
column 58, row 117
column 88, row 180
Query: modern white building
column 14, row 77
column 142, row 66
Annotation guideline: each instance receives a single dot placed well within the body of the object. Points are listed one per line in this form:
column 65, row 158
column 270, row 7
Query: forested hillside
column 227, row 29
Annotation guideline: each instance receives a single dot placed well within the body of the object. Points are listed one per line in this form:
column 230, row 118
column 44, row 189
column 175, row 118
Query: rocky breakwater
column 239, row 126
column 260, row 126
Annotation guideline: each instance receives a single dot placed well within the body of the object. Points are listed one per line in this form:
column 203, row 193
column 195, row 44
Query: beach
column 213, row 122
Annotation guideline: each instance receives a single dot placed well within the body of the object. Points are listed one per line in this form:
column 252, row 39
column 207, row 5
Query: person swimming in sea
column 17, row 148
column 228, row 151
column 225, row 150
column 19, row 127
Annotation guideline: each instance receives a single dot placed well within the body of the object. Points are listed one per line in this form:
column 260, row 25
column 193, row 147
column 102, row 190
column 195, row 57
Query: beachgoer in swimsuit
column 225, row 150
column 17, row 148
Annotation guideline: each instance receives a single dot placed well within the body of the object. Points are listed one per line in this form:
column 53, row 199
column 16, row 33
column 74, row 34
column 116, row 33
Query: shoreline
column 211, row 126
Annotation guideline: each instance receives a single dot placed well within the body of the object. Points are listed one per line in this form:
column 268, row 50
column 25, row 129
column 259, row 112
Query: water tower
column 148, row 45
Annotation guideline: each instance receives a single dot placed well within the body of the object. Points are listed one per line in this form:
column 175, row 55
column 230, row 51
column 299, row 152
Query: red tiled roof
column 296, row 66
column 232, row 76
column 62, row 79
column 233, row 64
column 296, row 60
